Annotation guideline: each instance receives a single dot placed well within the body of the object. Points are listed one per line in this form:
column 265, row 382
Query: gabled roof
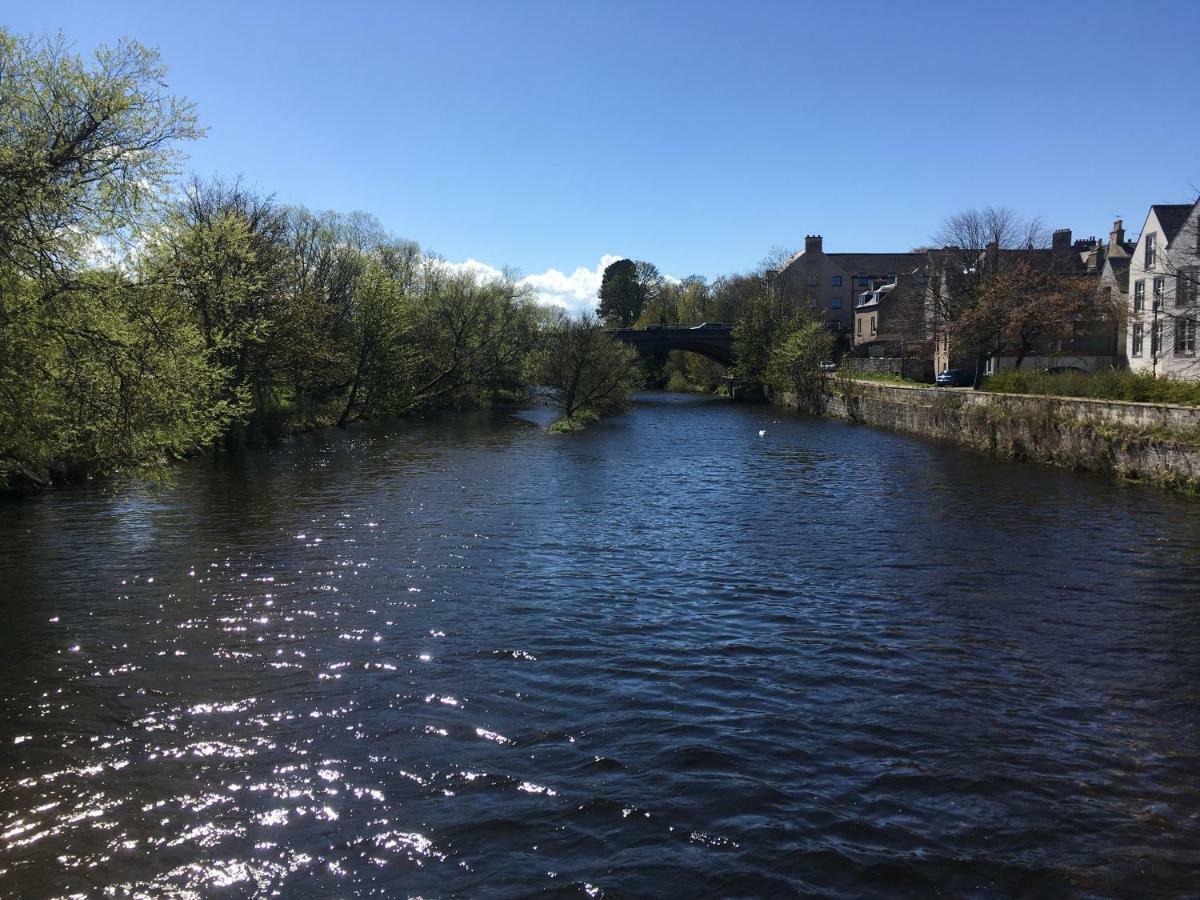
column 869, row 263
column 879, row 263
column 1119, row 266
column 1171, row 217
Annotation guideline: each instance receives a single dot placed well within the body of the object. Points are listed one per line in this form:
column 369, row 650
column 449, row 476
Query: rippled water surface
column 662, row 657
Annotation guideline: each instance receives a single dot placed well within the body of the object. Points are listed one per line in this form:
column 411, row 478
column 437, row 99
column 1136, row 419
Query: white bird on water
column 762, row 432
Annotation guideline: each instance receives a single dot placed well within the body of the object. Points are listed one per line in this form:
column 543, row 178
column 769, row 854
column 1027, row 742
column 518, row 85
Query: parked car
column 828, row 365
column 953, row 378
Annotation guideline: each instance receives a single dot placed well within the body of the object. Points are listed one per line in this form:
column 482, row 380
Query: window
column 1160, row 284
column 814, row 278
column 1185, row 337
column 874, row 326
column 1156, row 339
column 862, row 281
column 835, row 303
column 837, row 280
column 1186, row 283
column 1139, row 296
column 1151, row 250
column 859, row 326
column 1138, row 331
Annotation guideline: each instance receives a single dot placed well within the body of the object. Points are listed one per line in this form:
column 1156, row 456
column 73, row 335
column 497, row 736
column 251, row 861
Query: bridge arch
column 712, row 340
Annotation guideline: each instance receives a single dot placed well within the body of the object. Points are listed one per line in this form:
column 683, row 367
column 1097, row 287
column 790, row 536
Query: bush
column 1108, row 384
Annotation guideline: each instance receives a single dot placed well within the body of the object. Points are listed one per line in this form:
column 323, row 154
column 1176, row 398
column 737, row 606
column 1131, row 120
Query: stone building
column 1094, row 345
column 1164, row 307
column 890, row 320
column 830, row 282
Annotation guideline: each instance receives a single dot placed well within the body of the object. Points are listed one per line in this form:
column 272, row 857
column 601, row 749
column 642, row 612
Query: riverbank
column 1154, row 443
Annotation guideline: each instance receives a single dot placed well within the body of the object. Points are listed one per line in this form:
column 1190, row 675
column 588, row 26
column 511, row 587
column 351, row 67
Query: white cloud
column 575, row 292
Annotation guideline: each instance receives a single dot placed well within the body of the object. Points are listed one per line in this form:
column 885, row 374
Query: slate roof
column 879, row 263
column 1120, row 270
column 1171, row 217
column 870, row 263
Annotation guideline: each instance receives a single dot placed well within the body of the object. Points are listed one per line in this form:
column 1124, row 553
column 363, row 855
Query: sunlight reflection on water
column 662, row 656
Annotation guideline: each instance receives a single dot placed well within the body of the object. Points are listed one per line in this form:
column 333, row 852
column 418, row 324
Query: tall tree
column 622, row 296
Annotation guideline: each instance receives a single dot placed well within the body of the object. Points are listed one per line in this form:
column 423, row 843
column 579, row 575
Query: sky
column 555, row 137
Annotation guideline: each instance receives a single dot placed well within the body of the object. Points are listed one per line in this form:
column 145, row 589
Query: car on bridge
column 714, row 325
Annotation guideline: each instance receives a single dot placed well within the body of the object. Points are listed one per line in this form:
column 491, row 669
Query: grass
column 1109, row 384
column 887, row 378
column 577, row 422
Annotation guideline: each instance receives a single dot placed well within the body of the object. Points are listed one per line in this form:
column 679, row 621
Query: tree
column 621, row 294
column 224, row 252
column 973, row 244
column 112, row 374
column 794, row 365
column 1023, row 308
column 97, row 371
column 754, row 332
column 466, row 341
column 976, row 244
column 86, row 149
column 591, row 374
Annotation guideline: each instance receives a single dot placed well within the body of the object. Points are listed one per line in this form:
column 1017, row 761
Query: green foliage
column 794, row 365
column 1108, row 384
column 575, row 422
column 86, row 149
column 885, row 378
column 97, row 371
column 626, row 288
column 110, row 374
column 754, row 336
column 237, row 319
column 589, row 371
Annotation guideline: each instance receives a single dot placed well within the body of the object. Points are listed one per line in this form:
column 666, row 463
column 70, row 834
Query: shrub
column 1108, row 384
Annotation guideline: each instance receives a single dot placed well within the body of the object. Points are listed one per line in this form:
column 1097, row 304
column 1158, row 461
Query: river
column 667, row 656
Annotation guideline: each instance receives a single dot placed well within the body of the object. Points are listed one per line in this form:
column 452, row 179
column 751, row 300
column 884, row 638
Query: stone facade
column 891, row 321
column 911, row 367
column 1146, row 441
column 1164, row 308
column 829, row 283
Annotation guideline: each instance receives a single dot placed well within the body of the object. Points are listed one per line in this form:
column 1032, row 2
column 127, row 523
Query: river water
column 666, row 656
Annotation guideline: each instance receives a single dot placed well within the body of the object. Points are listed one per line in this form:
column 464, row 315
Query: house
column 890, row 320
column 1094, row 344
column 830, row 282
column 1164, row 274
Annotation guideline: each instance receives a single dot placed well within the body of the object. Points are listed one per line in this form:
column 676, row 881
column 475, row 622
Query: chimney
column 812, row 243
column 1060, row 249
column 1116, row 237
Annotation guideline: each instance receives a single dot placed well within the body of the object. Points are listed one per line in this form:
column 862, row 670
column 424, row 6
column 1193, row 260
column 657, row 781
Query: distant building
column 829, row 283
column 1094, row 344
column 890, row 320
column 1164, row 309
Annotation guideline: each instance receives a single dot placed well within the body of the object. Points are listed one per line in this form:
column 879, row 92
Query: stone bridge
column 712, row 339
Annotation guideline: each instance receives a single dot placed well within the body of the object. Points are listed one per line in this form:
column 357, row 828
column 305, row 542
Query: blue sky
column 545, row 136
